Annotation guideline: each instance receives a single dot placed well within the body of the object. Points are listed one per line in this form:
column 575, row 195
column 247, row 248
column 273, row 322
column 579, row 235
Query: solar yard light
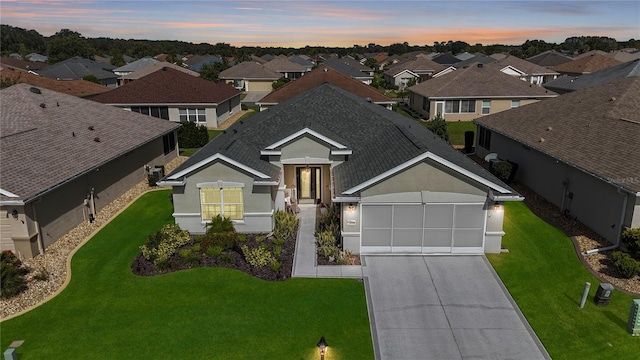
column 322, row 346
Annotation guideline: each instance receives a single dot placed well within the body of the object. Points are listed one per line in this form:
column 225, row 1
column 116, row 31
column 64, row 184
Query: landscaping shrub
column 330, row 220
column 631, row 239
column 220, row 224
column 502, row 169
column 438, row 126
column 285, row 225
column 12, row 275
column 626, row 265
column 257, row 257
column 41, row 275
column 328, row 245
column 192, row 135
column 213, row 250
column 161, row 245
column 220, row 232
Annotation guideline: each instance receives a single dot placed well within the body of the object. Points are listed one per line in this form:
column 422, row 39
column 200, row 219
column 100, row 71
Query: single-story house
column 173, row 95
column 250, row 76
column 196, row 62
column 78, row 67
column 320, row 75
column 565, row 84
column 21, row 64
column 65, row 158
column 399, row 188
column 153, row 68
column 343, row 67
column 549, row 59
column 78, row 87
column 524, row 70
column 288, row 69
column 586, row 65
column 579, row 151
column 468, row 93
column 419, row 70
column 134, row 66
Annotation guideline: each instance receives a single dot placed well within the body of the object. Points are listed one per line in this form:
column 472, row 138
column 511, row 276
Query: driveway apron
column 444, row 307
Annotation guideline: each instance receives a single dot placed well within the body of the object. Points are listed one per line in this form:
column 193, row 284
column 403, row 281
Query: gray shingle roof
column 344, row 68
column 249, row 70
column 380, row 139
column 46, row 139
column 77, row 68
column 573, row 83
column 136, row 65
column 596, row 129
column 525, row 66
column 549, row 58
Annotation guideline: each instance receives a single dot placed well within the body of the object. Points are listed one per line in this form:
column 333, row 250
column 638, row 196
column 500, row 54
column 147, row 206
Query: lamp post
column 322, row 346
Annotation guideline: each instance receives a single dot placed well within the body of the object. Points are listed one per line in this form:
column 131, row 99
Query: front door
column 308, row 183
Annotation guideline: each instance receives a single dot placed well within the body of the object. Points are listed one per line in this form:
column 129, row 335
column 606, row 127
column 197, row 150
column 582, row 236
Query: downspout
column 38, row 229
column 623, row 213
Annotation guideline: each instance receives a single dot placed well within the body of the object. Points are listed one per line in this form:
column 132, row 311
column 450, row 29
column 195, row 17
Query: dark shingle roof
column 419, row 65
column 587, row 64
column 169, row 86
column 249, row 70
column 77, row 68
column 478, row 81
column 549, row 59
column 595, row 129
column 477, row 59
column 346, row 69
column 320, row 75
column 21, row 64
column 380, row 139
column 573, row 83
column 77, row 87
column 525, row 66
column 46, row 138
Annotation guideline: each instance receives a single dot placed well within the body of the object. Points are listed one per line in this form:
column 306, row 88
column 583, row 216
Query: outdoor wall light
column 497, row 206
column 322, row 346
column 351, row 208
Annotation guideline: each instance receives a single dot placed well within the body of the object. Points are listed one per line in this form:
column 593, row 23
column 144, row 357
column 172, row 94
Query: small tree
column 91, row 78
column 192, row 135
column 438, row 126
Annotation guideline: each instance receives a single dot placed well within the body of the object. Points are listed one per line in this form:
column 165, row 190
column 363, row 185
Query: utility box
column 633, row 325
column 603, row 294
column 10, row 354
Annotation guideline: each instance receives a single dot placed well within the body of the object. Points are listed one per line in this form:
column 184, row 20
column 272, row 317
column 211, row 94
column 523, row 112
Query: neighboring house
column 565, row 84
column 77, row 68
column 357, row 65
column 524, row 70
column 288, row 69
column 445, row 59
column 585, row 65
column 80, row 88
column 196, row 62
column 250, row 76
column 549, row 59
column 305, row 62
column 468, row 93
column 418, row 70
column 37, row 57
column 341, row 66
column 151, row 69
column 465, row 56
column 134, row 66
column 579, row 151
column 21, row 64
column 622, row 56
column 399, row 188
column 476, row 59
column 65, row 158
column 173, row 95
column 320, row 75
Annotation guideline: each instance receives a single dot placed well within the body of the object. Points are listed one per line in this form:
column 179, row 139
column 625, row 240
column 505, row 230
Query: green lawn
column 456, row 130
column 191, row 151
column 546, row 279
column 106, row 312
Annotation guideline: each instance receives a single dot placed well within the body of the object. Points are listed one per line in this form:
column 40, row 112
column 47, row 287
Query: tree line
column 67, row 43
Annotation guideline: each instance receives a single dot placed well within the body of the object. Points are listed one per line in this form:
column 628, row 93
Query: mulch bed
column 232, row 259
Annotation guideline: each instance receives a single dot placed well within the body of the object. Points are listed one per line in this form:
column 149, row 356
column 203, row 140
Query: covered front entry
column 423, row 228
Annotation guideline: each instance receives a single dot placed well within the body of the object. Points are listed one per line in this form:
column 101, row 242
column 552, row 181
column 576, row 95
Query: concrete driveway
column 444, row 307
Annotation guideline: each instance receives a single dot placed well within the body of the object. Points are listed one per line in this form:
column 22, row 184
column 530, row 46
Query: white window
column 486, row 107
column 515, row 103
column 224, row 201
column 196, row 115
column 459, row 106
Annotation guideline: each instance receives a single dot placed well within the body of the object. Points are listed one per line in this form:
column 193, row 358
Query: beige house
column 176, row 96
column 469, row 93
column 399, row 188
column 250, row 76
column 65, row 158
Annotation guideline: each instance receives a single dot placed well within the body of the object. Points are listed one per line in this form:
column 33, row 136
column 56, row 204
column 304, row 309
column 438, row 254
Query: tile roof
column 320, row 75
column 549, row 59
column 78, row 87
column 46, row 139
column 169, row 86
column 282, row 64
column 525, row 66
column 77, row 68
column 419, row 65
column 594, row 129
column 587, row 64
column 21, row 64
column 249, row 70
column 478, row 81
column 380, row 139
column 573, row 83
column 155, row 67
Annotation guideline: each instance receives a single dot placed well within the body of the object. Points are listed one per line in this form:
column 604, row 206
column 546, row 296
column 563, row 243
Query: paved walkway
column 305, row 264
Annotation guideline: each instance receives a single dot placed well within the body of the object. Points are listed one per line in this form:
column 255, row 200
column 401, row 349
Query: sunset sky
column 329, row 23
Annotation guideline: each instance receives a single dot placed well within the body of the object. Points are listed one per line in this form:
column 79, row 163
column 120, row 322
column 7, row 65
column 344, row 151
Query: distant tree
column 91, row 78
column 116, row 58
column 212, row 71
column 66, row 44
column 438, row 126
column 13, row 38
column 371, row 62
column 279, row 83
column 398, row 49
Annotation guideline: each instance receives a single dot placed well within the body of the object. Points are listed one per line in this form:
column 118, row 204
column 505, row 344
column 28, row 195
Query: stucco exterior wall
column 590, row 200
column 305, row 147
column 258, row 202
column 497, row 105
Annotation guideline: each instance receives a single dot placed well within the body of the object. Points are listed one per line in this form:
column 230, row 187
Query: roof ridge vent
column 35, row 90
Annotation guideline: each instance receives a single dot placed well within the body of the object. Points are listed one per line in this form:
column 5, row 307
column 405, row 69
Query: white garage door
column 423, row 228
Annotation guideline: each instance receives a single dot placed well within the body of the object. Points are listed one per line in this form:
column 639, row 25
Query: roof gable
column 169, row 86
column 249, row 70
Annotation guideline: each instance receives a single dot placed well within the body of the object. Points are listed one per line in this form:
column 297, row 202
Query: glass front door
column 308, row 183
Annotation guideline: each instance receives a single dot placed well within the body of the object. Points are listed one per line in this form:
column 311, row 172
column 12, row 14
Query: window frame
column 457, row 106
column 193, row 114
column 486, row 104
column 220, row 185
column 160, row 112
column 516, row 102
column 484, row 138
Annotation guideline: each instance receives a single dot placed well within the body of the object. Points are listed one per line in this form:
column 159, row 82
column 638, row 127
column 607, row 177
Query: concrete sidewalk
column 305, row 264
